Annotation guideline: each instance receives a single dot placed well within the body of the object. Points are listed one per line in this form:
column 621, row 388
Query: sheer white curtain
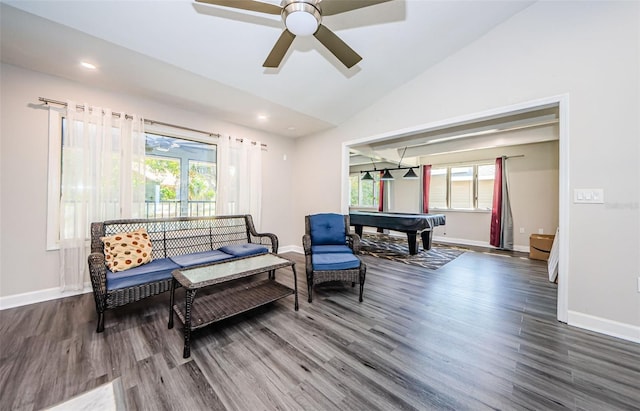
column 239, row 178
column 102, row 178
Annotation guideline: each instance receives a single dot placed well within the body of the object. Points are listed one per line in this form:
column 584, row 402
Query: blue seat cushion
column 327, row 229
column 155, row 270
column 324, row 249
column 203, row 257
column 334, row 261
column 243, row 250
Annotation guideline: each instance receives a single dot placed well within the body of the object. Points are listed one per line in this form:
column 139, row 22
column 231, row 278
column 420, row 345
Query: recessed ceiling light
column 88, row 65
column 262, row 117
column 291, row 128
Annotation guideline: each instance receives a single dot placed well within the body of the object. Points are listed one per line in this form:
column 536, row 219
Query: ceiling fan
column 304, row 18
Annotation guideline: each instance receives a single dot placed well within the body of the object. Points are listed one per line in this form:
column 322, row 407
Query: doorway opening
column 471, row 132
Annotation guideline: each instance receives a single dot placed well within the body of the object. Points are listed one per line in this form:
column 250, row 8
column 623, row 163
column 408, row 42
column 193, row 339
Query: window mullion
column 448, row 187
column 475, row 186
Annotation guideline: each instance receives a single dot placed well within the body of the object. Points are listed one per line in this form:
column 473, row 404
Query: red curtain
column 426, row 183
column 496, row 210
column 381, row 195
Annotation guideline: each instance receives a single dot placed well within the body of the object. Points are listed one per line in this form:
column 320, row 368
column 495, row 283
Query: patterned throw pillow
column 123, row 251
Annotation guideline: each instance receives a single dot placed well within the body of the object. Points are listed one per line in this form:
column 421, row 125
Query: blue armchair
column 331, row 252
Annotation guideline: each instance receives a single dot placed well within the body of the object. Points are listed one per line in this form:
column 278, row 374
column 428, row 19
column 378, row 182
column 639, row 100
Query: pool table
column 408, row 223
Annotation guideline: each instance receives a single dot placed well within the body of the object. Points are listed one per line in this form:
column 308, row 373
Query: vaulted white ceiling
column 209, row 59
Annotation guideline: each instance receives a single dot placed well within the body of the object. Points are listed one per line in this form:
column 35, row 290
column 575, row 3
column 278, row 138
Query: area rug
column 397, row 249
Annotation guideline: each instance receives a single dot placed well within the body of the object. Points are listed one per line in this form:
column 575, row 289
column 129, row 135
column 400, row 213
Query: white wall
column 549, row 49
column 405, row 194
column 25, row 266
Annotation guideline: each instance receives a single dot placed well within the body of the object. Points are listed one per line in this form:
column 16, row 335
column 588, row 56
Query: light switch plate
column 588, row 195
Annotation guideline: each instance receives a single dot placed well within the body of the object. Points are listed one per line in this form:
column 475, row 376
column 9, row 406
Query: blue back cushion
column 204, row 257
column 327, row 229
column 244, row 250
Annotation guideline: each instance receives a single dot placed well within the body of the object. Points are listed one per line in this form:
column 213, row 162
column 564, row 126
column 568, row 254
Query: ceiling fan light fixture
column 301, row 18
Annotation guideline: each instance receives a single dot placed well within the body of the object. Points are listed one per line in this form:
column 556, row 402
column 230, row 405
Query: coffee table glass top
column 226, row 270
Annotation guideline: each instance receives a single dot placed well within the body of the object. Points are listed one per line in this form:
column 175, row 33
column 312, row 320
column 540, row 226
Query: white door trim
column 562, row 101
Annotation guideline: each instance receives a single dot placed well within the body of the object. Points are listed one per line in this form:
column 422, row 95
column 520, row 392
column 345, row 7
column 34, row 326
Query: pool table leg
column 426, row 239
column 413, row 244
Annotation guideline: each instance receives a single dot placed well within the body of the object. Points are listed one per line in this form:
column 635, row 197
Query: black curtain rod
column 147, row 121
column 388, row 168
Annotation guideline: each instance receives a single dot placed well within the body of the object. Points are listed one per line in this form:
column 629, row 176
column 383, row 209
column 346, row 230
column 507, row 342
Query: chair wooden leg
column 100, row 322
column 363, row 273
column 310, row 288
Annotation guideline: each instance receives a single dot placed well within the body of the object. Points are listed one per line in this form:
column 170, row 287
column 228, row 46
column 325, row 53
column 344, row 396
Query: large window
column 438, row 188
column 462, row 187
column 364, row 193
column 202, row 187
column 180, row 177
column 485, row 178
column 162, row 186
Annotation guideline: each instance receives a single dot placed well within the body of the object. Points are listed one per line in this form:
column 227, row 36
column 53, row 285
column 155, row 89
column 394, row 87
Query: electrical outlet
column 521, row 230
column 540, row 231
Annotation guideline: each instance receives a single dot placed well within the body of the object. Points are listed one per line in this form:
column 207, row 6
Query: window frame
column 475, row 186
column 376, row 192
column 54, row 166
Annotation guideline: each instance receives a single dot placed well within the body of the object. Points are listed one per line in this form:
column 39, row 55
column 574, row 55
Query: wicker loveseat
column 176, row 243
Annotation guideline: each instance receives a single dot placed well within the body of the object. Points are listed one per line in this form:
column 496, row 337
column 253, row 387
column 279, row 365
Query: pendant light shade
column 410, row 175
column 367, row 176
column 386, row 176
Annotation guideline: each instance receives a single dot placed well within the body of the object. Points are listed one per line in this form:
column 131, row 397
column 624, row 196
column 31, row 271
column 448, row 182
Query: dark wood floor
column 479, row 333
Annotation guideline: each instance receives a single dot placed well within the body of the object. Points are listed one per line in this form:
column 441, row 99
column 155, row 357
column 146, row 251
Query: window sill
column 457, row 210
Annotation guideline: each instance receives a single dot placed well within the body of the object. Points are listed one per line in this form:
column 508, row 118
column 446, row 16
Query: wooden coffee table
column 197, row 313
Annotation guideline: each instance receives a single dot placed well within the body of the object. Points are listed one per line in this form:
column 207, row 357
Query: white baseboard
column 521, row 248
column 445, row 240
column 291, row 249
column 32, row 297
column 603, row 326
column 462, row 241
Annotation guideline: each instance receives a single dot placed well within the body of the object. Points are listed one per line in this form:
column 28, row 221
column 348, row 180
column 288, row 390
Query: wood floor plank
column 479, row 333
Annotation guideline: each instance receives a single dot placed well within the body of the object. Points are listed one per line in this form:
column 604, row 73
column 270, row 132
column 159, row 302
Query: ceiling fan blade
column 279, row 50
column 250, row 5
column 331, row 7
column 339, row 48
